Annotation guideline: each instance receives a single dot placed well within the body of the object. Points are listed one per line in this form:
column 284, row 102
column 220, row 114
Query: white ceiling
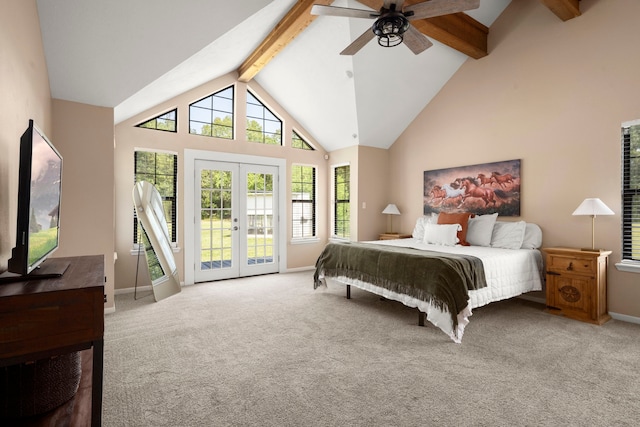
column 132, row 55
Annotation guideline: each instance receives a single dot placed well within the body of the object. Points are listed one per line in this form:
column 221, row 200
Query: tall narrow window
column 303, row 201
column 341, row 206
column 298, row 142
column 166, row 122
column 262, row 125
column 213, row 115
column 631, row 191
column 161, row 170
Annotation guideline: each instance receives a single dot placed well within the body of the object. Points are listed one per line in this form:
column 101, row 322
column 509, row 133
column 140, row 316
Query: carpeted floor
column 271, row 351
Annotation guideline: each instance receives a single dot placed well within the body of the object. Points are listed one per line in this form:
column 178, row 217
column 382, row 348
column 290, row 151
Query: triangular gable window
column 262, row 125
column 166, row 122
column 213, row 115
column 298, row 142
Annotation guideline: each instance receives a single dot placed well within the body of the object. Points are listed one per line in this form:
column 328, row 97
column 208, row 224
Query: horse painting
column 446, row 191
column 478, row 188
column 484, row 180
column 502, row 180
column 472, row 190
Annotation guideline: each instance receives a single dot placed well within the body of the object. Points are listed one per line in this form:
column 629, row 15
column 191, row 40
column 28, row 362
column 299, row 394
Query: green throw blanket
column 442, row 279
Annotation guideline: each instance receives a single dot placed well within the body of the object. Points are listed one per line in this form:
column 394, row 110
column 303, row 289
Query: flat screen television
column 39, row 195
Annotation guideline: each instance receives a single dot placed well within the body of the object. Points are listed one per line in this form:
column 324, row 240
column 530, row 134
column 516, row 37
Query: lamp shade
column 391, row 209
column 593, row 207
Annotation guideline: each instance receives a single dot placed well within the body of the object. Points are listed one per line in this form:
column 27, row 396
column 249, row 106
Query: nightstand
column 393, row 236
column 577, row 284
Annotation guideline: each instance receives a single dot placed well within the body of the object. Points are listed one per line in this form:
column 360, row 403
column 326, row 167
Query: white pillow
column 418, row 230
column 480, row 229
column 441, row 234
column 508, row 235
column 532, row 237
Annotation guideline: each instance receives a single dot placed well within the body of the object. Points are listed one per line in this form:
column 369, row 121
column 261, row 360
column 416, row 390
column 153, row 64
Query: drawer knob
column 570, row 267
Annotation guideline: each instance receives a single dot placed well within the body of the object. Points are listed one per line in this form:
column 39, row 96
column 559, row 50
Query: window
column 631, row 191
column 262, row 125
column 166, row 122
column 298, row 142
column 303, row 200
column 341, row 205
column 161, row 170
column 213, row 115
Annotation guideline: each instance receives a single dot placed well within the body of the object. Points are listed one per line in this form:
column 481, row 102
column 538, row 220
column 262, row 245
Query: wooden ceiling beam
column 564, row 9
column 294, row 22
column 458, row 30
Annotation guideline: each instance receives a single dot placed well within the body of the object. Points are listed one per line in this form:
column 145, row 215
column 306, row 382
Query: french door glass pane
column 215, row 219
column 259, row 218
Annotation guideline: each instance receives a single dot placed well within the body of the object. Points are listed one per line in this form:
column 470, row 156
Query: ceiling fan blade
column 429, row 9
column 358, row 43
column 347, row 12
column 415, row 40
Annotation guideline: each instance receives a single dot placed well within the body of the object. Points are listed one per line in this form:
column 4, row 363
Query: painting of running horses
column 482, row 189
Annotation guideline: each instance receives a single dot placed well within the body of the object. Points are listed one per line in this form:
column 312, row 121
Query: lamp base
column 593, row 250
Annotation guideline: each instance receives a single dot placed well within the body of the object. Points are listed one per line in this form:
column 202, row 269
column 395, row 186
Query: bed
column 501, row 260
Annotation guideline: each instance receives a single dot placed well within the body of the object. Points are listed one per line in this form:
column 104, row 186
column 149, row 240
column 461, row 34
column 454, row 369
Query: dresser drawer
column 571, row 264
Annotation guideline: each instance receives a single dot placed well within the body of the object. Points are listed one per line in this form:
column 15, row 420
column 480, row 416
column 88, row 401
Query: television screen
column 39, row 190
column 46, row 171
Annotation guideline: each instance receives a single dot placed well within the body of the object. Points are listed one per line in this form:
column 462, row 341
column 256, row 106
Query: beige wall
column 24, row 95
column 84, row 136
column 129, row 137
column 553, row 94
column 80, row 132
column 373, row 193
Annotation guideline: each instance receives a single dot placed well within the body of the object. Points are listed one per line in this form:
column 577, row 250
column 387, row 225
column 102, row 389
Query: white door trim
column 190, row 156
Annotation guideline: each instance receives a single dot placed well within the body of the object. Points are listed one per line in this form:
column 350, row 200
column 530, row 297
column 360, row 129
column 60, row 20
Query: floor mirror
column 154, row 239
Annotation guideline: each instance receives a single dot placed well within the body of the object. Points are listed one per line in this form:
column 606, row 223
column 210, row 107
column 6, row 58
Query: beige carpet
column 271, row 351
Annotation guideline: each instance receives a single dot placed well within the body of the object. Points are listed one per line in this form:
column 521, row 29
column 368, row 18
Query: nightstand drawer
column 570, row 265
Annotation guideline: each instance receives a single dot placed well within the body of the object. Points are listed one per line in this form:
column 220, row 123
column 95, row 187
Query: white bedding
column 509, row 273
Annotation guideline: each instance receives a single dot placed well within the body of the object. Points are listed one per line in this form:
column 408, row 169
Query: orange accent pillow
column 457, row 218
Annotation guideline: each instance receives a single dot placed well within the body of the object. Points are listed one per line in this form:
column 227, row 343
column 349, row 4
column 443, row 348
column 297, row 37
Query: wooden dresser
column 577, row 284
column 44, row 318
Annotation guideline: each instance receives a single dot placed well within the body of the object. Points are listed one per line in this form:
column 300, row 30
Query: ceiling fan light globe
column 389, row 40
column 391, row 25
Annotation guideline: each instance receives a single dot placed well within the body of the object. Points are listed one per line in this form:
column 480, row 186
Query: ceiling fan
column 392, row 23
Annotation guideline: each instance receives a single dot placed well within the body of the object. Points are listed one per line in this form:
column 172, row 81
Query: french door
column 236, row 224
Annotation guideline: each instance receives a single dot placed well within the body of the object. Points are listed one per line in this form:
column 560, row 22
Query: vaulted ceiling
column 132, row 55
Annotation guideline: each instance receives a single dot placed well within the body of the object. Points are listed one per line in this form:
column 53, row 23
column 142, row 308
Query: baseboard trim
column 625, row 318
column 132, row 290
column 298, row 269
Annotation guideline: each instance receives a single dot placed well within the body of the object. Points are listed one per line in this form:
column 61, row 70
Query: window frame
column 160, row 116
column 295, row 136
column 264, row 120
column 174, row 199
column 313, row 202
column 630, row 202
column 335, row 202
column 212, row 111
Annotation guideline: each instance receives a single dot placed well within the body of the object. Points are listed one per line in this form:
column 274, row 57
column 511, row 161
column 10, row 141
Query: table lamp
column 593, row 207
column 391, row 209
